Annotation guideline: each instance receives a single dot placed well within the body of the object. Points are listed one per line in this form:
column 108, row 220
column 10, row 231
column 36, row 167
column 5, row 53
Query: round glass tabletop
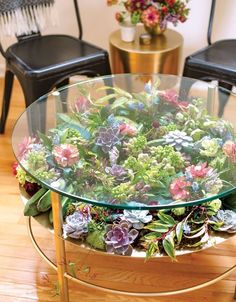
column 131, row 141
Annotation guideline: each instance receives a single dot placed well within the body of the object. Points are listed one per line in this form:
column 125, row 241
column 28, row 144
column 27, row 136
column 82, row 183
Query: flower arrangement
column 151, row 12
column 134, row 152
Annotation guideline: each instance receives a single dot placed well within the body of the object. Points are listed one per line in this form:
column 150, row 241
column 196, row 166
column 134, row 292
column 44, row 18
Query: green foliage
column 31, row 207
column 96, row 239
column 169, row 246
column 136, row 145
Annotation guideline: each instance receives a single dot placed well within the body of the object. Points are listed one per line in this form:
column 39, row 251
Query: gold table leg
column 60, row 247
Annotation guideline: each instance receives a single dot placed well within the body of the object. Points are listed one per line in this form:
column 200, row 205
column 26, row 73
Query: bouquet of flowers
column 137, row 152
column 151, row 12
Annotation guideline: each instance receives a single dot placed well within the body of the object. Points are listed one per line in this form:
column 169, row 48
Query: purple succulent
column 117, row 171
column 119, row 238
column 76, row 225
column 107, row 138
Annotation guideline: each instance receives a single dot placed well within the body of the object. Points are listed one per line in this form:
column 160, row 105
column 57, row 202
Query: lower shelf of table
column 156, row 277
column 159, row 276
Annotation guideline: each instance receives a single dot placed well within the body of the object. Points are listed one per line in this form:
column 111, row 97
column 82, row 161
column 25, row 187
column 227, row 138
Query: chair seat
column 219, row 57
column 46, row 55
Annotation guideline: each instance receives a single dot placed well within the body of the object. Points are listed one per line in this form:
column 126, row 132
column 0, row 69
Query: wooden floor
column 24, row 277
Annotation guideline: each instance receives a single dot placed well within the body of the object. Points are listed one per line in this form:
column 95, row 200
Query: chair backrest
column 26, row 18
column 210, row 24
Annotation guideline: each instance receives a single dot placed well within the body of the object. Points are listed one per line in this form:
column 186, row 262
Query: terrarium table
column 77, row 142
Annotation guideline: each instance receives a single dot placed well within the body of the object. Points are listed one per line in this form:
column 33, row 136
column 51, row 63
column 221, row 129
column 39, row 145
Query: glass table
column 131, row 163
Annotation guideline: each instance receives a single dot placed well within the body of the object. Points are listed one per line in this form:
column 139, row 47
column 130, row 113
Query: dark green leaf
column 44, row 202
column 74, row 124
column 46, row 140
column 229, row 202
column 96, row 239
column 31, row 205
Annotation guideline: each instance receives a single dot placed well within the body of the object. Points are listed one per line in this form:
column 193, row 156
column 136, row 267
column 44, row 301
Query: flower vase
column 155, row 30
column 128, row 32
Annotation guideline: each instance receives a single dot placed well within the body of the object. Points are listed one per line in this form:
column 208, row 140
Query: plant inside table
column 134, row 151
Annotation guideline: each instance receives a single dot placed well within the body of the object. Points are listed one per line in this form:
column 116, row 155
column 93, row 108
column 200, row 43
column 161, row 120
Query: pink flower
column 150, row 17
column 229, row 150
column 178, row 188
column 200, row 170
column 25, row 146
column 126, row 129
column 65, row 155
column 171, row 96
column 82, row 104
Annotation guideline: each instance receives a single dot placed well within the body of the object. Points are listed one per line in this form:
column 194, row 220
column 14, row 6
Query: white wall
column 98, row 22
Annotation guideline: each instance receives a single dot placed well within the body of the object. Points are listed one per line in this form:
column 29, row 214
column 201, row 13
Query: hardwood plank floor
column 25, row 277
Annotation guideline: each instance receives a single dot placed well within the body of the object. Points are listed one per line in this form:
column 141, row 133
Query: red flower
column 14, row 168
column 171, row 2
column 164, row 10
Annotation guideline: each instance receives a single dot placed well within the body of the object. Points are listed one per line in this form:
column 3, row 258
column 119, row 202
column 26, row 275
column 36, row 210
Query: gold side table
column 162, row 55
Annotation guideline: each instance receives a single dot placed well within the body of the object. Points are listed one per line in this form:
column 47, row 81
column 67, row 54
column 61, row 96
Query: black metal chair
column 41, row 63
column 217, row 61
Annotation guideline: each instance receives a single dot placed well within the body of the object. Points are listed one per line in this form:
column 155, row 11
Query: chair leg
column 107, row 66
column 9, row 77
column 223, row 96
column 37, row 114
column 64, row 93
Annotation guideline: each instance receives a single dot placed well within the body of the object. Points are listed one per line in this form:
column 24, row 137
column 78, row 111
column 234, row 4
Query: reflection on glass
column 130, row 141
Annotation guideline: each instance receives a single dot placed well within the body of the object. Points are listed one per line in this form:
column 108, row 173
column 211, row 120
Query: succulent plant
column 117, row 171
column 107, row 138
column 119, row 238
column 76, row 225
column 178, row 139
column 113, row 155
column 178, row 211
column 137, row 217
column 228, row 218
column 65, row 155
